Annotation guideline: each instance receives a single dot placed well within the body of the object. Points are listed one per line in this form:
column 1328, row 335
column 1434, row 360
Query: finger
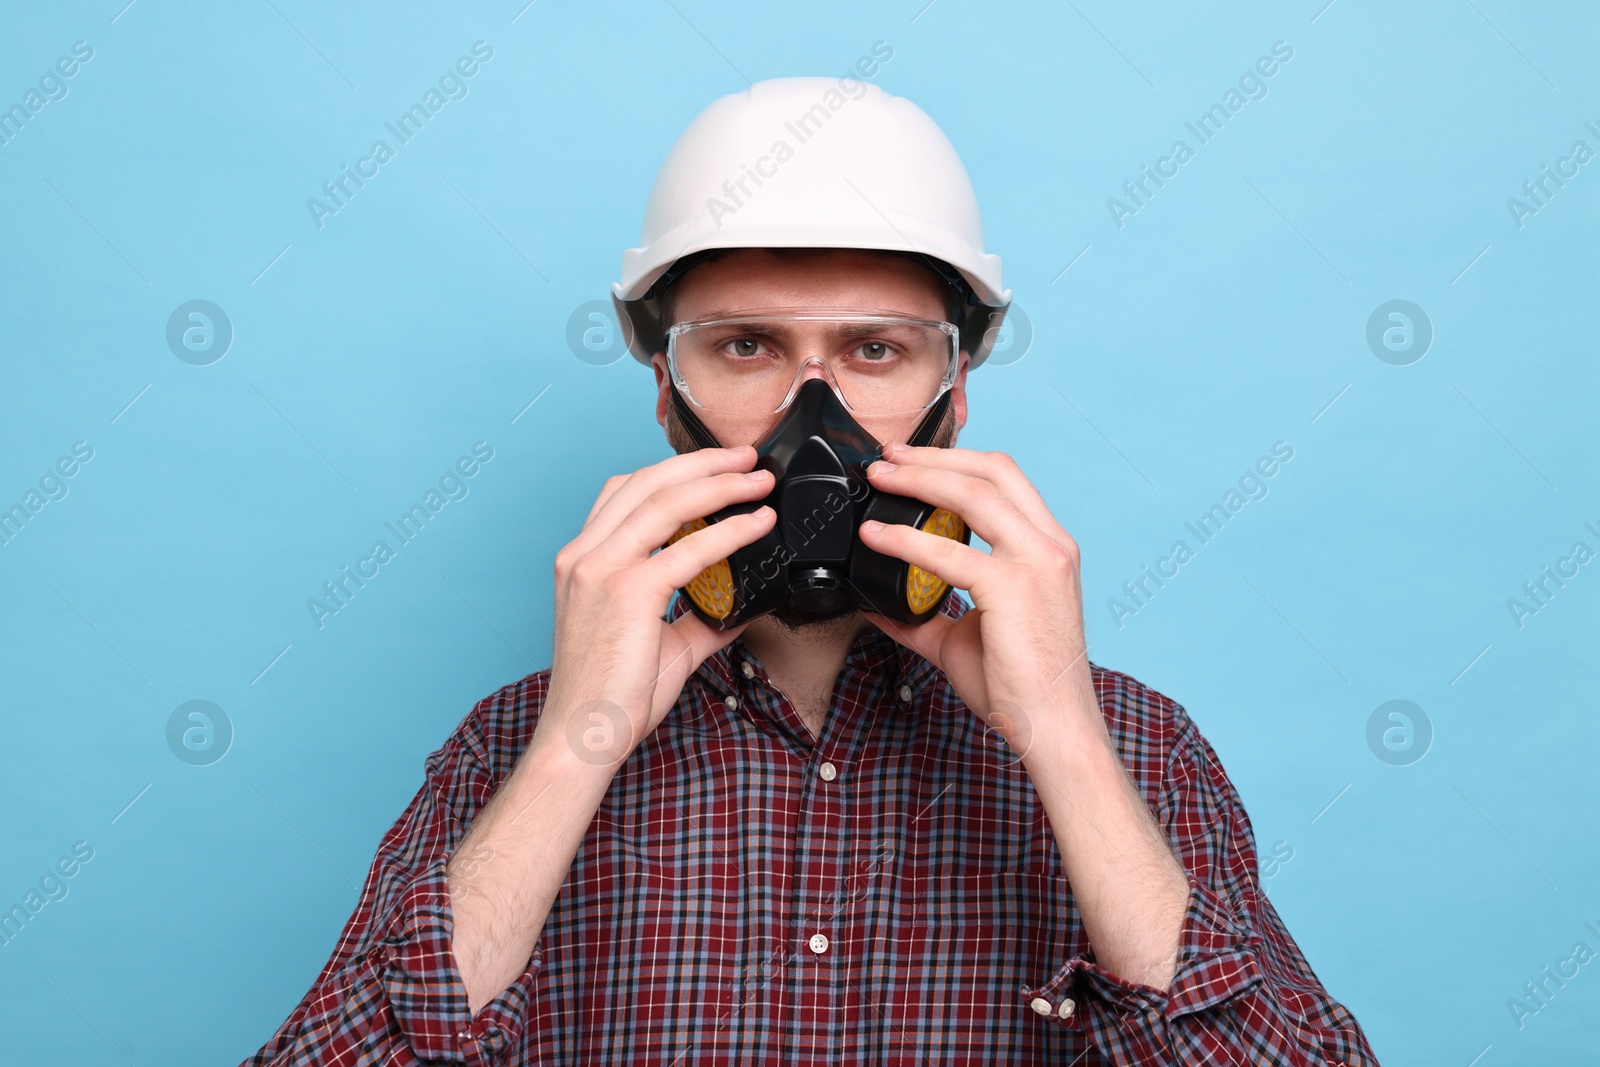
column 664, row 512
column 961, row 565
column 634, row 488
column 999, row 468
column 686, row 643
column 639, row 484
column 613, row 483
column 980, row 503
column 702, row 639
column 923, row 639
column 949, row 644
column 677, row 565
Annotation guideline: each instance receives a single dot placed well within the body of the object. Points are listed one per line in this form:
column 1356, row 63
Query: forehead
column 749, row 278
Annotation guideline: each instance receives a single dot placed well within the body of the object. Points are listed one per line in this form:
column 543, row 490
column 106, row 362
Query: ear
column 958, row 395
column 658, row 363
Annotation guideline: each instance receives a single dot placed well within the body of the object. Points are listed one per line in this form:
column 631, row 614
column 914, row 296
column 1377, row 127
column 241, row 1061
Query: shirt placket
column 822, row 930
column 819, row 962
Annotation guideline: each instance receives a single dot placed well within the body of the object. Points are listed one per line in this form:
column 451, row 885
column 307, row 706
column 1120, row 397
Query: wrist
column 1071, row 744
column 539, row 812
column 553, row 760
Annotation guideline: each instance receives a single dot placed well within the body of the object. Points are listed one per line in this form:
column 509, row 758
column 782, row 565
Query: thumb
column 925, row 639
column 686, row 643
column 952, row 645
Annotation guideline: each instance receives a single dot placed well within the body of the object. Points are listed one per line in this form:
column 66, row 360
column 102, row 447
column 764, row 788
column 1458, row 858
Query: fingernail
column 757, row 476
column 872, row 525
column 881, row 466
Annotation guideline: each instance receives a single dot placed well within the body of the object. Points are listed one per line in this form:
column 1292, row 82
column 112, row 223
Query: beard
column 844, row 620
column 838, row 620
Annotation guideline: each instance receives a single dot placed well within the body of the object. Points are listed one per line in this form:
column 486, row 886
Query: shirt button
column 828, row 771
column 905, row 693
column 731, row 701
column 819, row 943
column 1066, row 1008
column 749, row 671
column 1042, row 1006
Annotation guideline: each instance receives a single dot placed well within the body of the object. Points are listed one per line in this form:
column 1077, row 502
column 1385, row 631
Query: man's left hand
column 1019, row 658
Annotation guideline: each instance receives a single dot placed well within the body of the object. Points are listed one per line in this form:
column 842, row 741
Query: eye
column 743, row 347
column 874, row 351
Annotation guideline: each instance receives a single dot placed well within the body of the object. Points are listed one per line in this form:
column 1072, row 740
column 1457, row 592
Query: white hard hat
column 812, row 163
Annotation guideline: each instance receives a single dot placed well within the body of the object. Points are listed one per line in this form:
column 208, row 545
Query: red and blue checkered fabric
column 889, row 892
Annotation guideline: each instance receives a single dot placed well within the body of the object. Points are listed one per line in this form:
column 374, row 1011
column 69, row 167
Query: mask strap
column 923, row 434
column 702, row 437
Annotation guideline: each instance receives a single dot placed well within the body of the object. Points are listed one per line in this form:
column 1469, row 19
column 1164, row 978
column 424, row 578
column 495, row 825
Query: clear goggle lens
column 750, row 364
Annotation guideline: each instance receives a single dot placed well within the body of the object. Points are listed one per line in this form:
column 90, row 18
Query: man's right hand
column 618, row 665
column 618, row 668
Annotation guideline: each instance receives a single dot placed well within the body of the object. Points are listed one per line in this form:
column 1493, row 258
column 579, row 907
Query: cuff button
column 1066, row 1008
column 1042, row 1006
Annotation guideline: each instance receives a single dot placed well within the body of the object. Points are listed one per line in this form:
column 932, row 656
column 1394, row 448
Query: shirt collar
column 871, row 651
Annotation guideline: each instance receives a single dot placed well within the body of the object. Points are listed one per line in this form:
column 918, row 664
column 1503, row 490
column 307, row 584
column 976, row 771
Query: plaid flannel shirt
column 889, row 892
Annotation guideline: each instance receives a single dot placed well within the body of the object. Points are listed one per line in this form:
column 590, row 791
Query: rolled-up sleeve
column 391, row 993
column 1243, row 992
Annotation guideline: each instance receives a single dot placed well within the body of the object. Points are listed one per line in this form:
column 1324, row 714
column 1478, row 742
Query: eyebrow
column 786, row 333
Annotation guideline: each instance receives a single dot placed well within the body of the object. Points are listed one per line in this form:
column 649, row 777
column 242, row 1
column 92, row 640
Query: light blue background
column 1224, row 316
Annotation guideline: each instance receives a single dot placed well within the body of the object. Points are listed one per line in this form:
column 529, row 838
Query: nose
column 814, row 367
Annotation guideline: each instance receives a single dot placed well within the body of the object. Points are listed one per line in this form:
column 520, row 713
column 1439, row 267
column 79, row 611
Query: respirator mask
column 825, row 375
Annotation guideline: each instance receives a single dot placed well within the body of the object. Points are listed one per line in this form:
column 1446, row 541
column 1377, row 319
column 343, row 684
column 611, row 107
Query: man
column 846, row 830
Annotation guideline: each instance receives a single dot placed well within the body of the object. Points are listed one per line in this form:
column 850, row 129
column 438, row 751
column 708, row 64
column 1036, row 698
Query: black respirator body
column 812, row 559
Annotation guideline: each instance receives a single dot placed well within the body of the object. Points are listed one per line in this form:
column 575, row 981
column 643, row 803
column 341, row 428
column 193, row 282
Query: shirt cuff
column 424, row 986
column 1216, row 963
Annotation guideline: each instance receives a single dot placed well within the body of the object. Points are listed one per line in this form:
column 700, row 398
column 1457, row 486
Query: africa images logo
column 802, row 128
column 1252, row 85
column 453, row 485
column 452, row 85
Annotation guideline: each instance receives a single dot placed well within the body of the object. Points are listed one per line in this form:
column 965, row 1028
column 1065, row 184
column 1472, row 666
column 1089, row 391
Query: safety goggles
column 750, row 364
